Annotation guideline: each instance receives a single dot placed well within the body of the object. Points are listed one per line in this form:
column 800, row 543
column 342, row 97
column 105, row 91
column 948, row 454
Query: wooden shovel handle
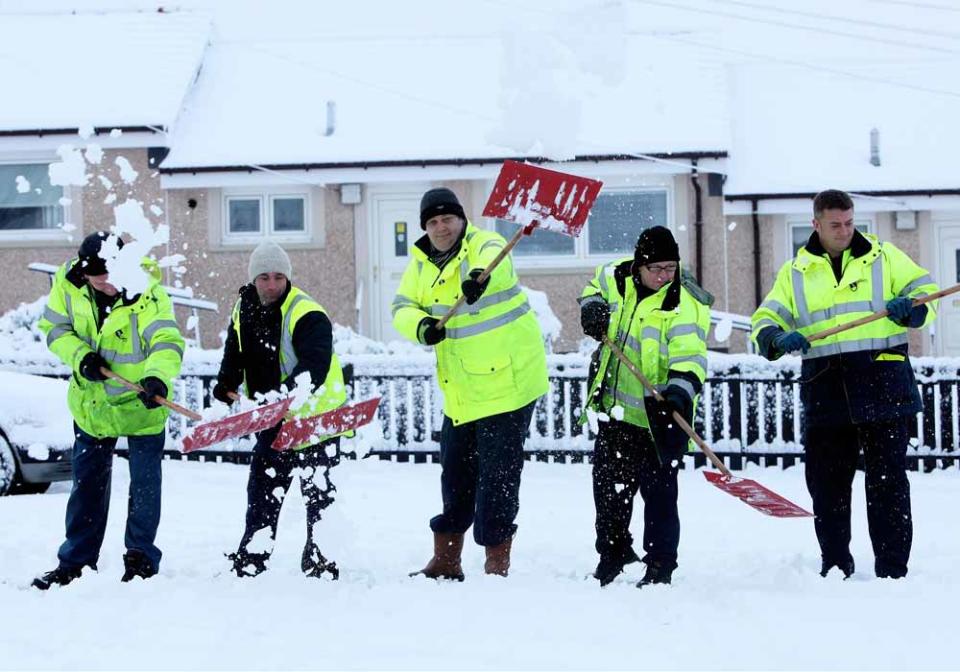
column 521, row 232
column 157, row 398
column 684, row 425
column 880, row 314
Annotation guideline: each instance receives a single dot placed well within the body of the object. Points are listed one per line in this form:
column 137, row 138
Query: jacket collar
column 859, row 246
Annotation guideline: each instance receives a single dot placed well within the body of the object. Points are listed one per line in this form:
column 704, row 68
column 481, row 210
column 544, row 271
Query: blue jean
column 480, row 479
column 89, row 502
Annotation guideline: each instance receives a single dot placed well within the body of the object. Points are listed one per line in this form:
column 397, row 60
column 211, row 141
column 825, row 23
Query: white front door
column 948, row 313
column 395, row 226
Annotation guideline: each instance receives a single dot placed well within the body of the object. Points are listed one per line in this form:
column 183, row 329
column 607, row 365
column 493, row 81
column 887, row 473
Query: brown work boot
column 445, row 563
column 498, row 558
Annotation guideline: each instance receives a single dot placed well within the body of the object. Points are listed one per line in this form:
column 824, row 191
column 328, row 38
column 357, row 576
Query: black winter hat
column 89, row 253
column 439, row 201
column 656, row 244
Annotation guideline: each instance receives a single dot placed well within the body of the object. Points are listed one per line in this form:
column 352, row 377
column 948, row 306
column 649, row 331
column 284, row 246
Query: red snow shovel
column 302, row 430
column 749, row 491
column 533, row 197
column 234, row 426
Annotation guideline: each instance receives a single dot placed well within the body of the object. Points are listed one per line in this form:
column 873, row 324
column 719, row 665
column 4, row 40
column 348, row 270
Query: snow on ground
column 746, row 595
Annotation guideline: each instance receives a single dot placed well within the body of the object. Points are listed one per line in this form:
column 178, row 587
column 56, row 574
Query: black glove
column 472, row 288
column 152, row 387
column 791, row 342
column 902, row 311
column 595, row 318
column 670, row 439
column 90, row 367
column 427, row 332
column 222, row 393
column 678, row 400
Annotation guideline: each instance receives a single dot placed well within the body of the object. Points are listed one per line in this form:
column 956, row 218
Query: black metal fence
column 747, row 413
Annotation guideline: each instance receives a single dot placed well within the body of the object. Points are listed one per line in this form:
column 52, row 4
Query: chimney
column 875, row 147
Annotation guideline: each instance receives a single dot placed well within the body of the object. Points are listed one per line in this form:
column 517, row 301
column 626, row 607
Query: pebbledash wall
column 324, row 267
column 87, row 211
column 328, row 264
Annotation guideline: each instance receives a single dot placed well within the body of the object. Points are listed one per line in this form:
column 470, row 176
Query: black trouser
column 625, row 460
column 271, row 473
column 831, row 462
column 480, row 481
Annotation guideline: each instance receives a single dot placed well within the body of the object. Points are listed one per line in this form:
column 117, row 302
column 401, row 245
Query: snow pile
column 23, row 346
column 34, row 413
column 754, row 579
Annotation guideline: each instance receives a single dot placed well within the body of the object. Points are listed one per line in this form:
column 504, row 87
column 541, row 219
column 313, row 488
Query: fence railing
column 747, row 413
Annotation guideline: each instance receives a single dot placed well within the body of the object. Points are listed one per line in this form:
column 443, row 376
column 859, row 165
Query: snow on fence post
column 747, row 406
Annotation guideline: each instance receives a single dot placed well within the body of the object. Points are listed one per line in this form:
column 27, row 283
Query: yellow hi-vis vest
column 493, row 358
column 658, row 337
column 332, row 393
column 137, row 340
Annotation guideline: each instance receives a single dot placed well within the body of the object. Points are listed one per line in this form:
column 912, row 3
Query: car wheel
column 8, row 466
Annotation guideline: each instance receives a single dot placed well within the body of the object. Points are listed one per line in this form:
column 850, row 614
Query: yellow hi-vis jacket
column 137, row 340
column 664, row 334
column 332, row 393
column 493, row 358
column 862, row 374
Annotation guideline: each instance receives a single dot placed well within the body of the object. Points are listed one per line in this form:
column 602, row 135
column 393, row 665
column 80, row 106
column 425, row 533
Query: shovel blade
column 313, row 429
column 233, row 426
column 524, row 193
column 759, row 497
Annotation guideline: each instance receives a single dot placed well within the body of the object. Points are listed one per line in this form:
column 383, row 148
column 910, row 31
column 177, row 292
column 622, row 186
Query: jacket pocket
column 490, row 378
column 890, row 357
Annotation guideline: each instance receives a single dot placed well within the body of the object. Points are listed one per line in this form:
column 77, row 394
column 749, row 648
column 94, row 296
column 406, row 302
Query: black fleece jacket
column 259, row 361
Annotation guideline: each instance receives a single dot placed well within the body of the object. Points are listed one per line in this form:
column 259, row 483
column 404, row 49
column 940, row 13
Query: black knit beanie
column 91, row 263
column 439, row 201
column 656, row 244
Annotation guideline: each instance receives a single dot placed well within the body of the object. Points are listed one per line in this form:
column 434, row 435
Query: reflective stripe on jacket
column 493, row 358
column 332, row 393
column 862, row 374
column 665, row 334
column 137, row 340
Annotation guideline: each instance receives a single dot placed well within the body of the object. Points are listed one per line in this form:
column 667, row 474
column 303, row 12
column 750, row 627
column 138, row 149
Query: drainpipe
column 697, row 219
column 758, row 297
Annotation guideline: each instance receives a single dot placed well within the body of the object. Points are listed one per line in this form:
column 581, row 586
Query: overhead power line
column 820, row 30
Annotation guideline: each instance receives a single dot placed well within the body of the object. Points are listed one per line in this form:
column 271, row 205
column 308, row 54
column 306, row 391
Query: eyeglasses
column 660, row 269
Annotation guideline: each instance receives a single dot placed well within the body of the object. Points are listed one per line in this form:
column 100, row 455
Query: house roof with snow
column 446, row 98
column 798, row 130
column 69, row 71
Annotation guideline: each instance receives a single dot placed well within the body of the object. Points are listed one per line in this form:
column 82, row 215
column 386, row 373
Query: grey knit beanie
column 268, row 257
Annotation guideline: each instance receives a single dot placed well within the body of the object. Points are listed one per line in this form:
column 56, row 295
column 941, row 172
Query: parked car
column 36, row 433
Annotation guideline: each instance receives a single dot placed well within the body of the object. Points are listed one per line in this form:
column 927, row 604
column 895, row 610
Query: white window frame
column 266, row 197
column 54, row 235
column 581, row 257
column 796, row 221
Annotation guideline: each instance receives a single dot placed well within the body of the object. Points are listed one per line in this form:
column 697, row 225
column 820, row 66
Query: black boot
column 136, row 564
column 610, row 566
column 656, row 573
column 60, row 576
column 315, row 565
column 845, row 566
column 248, row 564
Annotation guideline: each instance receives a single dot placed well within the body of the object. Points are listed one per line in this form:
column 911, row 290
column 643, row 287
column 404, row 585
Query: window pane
column 539, row 243
column 617, row 218
column 27, row 199
column 288, row 214
column 244, row 215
